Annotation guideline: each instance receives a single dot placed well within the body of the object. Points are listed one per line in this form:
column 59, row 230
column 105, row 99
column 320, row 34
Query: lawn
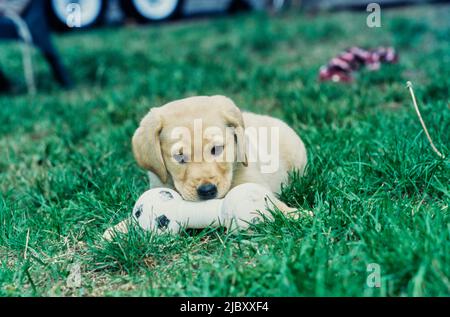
column 379, row 193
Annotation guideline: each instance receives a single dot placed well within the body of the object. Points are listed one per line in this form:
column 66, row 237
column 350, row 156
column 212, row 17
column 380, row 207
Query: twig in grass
column 30, row 279
column 411, row 91
column 221, row 241
column 26, row 244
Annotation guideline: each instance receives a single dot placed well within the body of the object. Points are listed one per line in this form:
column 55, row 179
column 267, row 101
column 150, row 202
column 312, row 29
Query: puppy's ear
column 233, row 118
column 147, row 145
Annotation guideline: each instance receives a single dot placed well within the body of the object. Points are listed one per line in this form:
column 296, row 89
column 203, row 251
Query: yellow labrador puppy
column 204, row 146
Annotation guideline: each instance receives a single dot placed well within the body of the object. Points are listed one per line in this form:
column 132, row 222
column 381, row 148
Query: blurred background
column 98, row 12
column 33, row 22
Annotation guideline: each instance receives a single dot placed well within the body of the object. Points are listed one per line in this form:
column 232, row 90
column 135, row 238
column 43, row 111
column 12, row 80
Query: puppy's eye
column 217, row 150
column 180, row 158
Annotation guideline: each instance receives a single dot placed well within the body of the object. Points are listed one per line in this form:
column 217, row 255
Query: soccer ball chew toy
column 164, row 210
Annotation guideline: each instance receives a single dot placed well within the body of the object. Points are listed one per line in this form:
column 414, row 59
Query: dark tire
column 145, row 11
column 238, row 5
column 59, row 13
column 270, row 5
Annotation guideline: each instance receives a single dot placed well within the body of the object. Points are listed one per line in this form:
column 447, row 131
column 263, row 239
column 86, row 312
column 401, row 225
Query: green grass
column 379, row 193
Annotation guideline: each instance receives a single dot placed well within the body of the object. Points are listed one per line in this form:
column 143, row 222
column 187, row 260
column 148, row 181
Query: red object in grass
column 340, row 68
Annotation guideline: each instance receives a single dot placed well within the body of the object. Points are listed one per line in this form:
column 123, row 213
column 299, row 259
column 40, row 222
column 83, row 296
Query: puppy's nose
column 207, row 191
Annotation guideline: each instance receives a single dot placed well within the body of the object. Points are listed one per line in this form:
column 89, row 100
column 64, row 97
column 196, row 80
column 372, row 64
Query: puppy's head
column 196, row 142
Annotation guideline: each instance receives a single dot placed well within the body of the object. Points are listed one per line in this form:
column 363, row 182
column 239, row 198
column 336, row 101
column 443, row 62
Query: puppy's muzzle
column 207, row 191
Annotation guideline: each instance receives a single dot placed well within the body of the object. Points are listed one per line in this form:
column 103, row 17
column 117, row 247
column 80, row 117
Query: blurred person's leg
column 36, row 19
column 7, row 32
column 5, row 84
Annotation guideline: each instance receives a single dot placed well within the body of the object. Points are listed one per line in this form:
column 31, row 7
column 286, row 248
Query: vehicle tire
column 238, row 5
column 269, row 5
column 152, row 10
column 67, row 15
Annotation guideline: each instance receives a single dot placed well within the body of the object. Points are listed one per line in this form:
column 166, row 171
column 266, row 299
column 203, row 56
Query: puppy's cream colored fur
column 154, row 146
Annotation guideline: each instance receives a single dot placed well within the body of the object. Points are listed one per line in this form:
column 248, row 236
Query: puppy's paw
column 306, row 213
column 293, row 212
column 121, row 227
column 300, row 214
column 108, row 235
